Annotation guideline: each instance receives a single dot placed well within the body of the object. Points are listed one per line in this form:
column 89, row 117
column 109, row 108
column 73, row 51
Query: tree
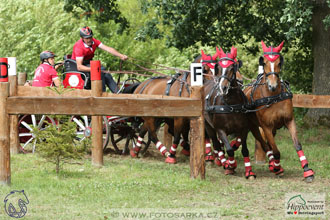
column 300, row 22
column 102, row 11
column 58, row 144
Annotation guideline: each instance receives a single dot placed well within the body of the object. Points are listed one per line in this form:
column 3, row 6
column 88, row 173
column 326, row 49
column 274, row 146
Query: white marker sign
column 196, row 70
column 11, row 66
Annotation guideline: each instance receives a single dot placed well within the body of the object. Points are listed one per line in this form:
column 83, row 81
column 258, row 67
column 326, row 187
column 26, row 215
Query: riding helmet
column 46, row 54
column 86, row 32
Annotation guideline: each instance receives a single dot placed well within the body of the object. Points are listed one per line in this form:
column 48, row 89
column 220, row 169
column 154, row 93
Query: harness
column 182, row 82
column 170, row 82
column 224, row 108
column 267, row 101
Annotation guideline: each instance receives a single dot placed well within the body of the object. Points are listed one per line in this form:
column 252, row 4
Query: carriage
column 120, row 131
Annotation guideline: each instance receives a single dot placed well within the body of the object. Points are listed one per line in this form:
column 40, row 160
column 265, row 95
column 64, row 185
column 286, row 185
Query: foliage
column 298, row 15
column 227, row 23
column 101, row 10
column 58, row 143
column 32, row 26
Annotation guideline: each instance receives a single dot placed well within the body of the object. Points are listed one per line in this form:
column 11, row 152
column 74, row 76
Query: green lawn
column 86, row 192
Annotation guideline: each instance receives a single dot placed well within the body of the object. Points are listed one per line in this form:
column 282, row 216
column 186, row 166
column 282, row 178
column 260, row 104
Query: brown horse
column 179, row 85
column 225, row 110
column 209, row 72
column 273, row 101
column 175, row 86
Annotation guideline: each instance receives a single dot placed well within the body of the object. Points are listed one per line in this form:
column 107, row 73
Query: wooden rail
column 311, row 101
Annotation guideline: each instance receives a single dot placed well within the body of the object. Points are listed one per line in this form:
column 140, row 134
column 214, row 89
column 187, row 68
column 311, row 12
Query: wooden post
column 97, row 132
column 167, row 139
column 14, row 139
column 197, row 139
column 4, row 136
column 21, row 79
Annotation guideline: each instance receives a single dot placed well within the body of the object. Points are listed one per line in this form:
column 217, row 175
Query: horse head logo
column 297, row 200
column 15, row 204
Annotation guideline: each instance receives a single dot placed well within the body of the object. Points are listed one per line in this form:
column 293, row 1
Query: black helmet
column 86, row 32
column 46, row 54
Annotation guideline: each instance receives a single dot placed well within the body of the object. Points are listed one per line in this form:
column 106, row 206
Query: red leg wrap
column 217, row 161
column 230, row 163
column 236, row 143
column 308, row 173
column 250, row 173
column 170, row 160
column 302, row 158
column 208, row 151
column 173, row 149
column 162, row 148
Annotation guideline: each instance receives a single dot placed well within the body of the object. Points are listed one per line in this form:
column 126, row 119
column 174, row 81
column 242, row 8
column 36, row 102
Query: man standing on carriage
column 83, row 53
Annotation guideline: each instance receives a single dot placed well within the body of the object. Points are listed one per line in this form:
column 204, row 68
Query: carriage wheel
column 84, row 128
column 26, row 125
column 124, row 134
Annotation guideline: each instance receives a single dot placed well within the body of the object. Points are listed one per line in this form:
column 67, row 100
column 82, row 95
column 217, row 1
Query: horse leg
column 264, row 146
column 178, row 127
column 208, row 149
column 211, row 134
column 185, row 135
column 249, row 174
column 136, row 148
column 220, row 160
column 308, row 173
column 152, row 128
column 274, row 165
column 231, row 164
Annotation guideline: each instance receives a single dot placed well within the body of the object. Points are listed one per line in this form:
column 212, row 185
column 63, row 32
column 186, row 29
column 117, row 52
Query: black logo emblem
column 15, row 204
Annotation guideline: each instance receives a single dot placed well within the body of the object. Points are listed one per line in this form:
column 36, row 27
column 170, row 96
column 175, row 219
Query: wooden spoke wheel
column 26, row 124
column 84, row 128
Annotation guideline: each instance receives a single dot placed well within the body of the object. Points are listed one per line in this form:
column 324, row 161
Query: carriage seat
column 73, row 77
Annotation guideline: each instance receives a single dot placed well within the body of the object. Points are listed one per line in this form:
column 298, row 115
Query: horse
column 272, row 100
column 175, row 86
column 225, row 111
column 208, row 63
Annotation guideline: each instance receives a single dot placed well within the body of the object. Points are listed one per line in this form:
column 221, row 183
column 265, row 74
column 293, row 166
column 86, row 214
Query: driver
column 83, row 53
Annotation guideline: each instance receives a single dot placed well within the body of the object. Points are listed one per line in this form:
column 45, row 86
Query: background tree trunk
column 321, row 76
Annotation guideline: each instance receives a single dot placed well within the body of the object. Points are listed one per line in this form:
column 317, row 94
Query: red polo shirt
column 80, row 49
column 44, row 75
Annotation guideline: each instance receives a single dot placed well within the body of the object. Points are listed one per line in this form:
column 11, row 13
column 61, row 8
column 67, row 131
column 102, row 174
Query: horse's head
column 208, row 63
column 272, row 65
column 226, row 69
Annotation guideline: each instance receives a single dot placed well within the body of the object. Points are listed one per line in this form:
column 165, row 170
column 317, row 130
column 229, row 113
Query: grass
column 86, row 192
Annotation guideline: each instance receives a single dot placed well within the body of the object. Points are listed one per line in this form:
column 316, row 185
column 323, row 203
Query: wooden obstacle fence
column 34, row 100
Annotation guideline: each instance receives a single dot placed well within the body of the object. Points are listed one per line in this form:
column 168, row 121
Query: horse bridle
column 272, row 53
column 224, row 76
column 207, row 61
